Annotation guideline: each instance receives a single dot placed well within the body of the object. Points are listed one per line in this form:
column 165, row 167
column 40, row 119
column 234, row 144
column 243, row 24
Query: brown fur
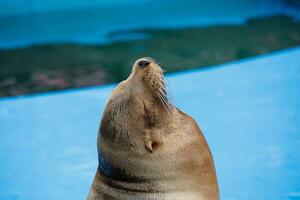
column 148, row 149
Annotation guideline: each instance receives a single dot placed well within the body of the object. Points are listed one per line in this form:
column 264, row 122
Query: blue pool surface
column 249, row 112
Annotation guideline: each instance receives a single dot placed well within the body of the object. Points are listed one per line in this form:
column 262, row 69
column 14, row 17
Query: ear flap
column 149, row 146
column 152, row 142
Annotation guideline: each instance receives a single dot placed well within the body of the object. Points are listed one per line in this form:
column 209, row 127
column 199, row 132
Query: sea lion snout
column 144, row 63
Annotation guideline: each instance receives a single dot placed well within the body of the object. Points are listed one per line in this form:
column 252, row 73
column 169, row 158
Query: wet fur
column 148, row 149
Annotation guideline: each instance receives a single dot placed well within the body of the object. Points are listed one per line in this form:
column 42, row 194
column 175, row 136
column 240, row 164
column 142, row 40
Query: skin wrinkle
column 149, row 149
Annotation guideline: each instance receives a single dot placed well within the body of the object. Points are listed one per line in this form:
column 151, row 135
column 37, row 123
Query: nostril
column 144, row 63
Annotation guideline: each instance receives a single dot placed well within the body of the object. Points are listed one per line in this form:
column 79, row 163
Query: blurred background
column 50, row 45
column 248, row 109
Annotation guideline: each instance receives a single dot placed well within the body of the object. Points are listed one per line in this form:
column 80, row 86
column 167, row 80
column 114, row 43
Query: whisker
column 166, row 100
column 160, row 87
column 164, row 104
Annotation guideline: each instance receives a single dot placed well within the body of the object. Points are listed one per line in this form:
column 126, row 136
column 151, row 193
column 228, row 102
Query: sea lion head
column 148, row 77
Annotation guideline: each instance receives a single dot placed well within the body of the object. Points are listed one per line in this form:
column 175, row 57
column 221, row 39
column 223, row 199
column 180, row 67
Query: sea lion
column 148, row 148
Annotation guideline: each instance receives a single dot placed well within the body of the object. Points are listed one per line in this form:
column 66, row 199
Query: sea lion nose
column 144, row 63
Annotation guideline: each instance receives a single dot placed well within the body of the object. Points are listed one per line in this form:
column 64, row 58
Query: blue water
column 29, row 22
column 249, row 112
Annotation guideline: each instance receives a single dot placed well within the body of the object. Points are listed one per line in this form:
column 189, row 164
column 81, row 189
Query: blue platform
column 249, row 112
